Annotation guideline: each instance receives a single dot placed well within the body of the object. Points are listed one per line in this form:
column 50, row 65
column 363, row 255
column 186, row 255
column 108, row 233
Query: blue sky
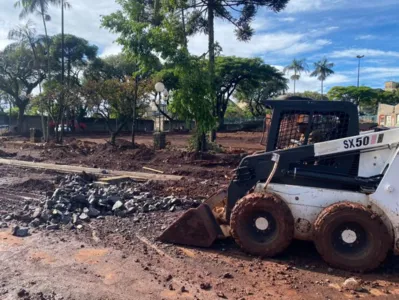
column 311, row 29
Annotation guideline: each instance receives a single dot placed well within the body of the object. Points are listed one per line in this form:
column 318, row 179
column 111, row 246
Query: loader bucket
column 196, row 227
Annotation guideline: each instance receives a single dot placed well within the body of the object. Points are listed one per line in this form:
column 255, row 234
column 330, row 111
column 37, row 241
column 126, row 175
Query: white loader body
column 378, row 156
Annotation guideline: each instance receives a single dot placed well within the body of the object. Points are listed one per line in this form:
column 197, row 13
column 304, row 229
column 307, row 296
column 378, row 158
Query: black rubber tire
column 368, row 252
column 245, row 234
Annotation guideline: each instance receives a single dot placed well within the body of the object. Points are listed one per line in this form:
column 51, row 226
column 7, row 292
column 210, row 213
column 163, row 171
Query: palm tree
column 40, row 7
column 322, row 70
column 297, row 66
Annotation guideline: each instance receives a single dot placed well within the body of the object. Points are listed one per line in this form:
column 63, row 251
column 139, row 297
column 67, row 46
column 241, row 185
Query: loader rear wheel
column 262, row 224
column 349, row 236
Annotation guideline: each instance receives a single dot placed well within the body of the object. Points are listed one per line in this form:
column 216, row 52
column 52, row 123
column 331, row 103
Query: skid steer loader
column 318, row 179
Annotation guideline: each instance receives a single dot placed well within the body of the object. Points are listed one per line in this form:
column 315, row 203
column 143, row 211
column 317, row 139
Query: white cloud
column 367, row 52
column 262, row 43
column 295, row 6
column 366, row 37
column 307, row 83
column 287, row 19
column 111, row 50
column 82, row 20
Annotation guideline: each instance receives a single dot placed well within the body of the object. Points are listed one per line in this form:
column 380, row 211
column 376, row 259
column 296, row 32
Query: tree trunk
column 183, row 22
column 211, row 49
column 294, row 86
column 220, row 121
column 113, row 137
column 201, row 142
column 21, row 116
column 321, row 89
column 134, row 106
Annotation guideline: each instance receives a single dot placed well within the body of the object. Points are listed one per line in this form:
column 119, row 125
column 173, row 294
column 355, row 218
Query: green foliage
column 145, row 32
column 191, row 98
column 233, row 111
column 20, row 73
column 366, row 97
column 313, row 95
column 248, row 75
column 112, row 67
column 77, row 52
column 254, row 92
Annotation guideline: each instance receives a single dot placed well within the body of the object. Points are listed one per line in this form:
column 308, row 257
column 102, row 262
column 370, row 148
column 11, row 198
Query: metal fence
column 243, row 120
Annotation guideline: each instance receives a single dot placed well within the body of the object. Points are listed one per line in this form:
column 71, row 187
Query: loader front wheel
column 262, row 224
column 349, row 236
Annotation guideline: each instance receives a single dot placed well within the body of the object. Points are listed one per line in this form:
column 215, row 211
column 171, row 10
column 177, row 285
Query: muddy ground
column 176, row 159
column 119, row 258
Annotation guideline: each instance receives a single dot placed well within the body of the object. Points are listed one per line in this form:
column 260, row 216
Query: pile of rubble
column 77, row 200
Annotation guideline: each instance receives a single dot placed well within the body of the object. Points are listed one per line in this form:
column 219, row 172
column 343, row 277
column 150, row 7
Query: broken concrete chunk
column 117, row 205
column 19, row 231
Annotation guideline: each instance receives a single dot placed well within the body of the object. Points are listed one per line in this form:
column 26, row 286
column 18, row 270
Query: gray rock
column 37, row 213
column 79, row 198
column 84, row 217
column 176, row 202
column 3, row 225
column 351, row 284
column 146, row 207
column 19, row 231
column 91, row 212
column 74, row 218
column 92, row 199
column 50, row 204
column 117, row 205
column 26, row 207
column 172, row 209
column 130, row 206
column 53, row 227
column 114, row 198
column 35, row 223
column 56, row 193
column 8, row 218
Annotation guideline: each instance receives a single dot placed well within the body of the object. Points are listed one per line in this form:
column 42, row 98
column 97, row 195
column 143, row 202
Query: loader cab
column 298, row 121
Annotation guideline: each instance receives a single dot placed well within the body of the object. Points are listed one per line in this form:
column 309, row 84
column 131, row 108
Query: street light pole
column 359, row 57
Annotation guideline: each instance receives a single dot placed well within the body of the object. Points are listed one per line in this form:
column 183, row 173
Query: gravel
column 77, row 200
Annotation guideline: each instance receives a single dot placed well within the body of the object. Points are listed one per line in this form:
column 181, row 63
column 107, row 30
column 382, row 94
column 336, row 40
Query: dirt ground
column 119, row 258
column 94, row 151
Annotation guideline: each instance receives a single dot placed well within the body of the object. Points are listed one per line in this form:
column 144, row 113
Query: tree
column 365, row 97
column 296, row 66
column 322, row 70
column 161, row 27
column 77, row 53
column 40, row 7
column 240, row 13
column 112, row 98
column 254, row 95
column 235, row 72
column 27, row 34
column 124, row 68
column 191, row 100
column 20, row 74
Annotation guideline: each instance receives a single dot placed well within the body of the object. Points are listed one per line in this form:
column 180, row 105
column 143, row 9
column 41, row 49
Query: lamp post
column 159, row 88
column 359, row 57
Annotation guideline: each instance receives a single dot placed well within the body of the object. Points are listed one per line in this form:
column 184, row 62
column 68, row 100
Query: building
column 388, row 115
column 391, row 86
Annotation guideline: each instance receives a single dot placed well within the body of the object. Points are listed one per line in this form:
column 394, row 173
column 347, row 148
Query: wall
column 177, row 125
column 388, row 115
column 93, row 125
